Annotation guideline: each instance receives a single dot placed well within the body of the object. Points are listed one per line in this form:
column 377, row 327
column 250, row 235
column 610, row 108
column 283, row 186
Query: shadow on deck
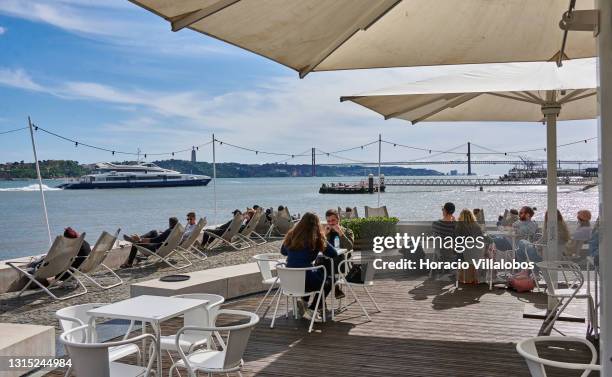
column 426, row 328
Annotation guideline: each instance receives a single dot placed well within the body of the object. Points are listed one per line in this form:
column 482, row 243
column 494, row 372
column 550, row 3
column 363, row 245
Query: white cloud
column 2, row 30
column 18, row 78
column 115, row 21
column 288, row 115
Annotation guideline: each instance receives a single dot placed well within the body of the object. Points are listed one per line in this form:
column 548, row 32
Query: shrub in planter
column 365, row 229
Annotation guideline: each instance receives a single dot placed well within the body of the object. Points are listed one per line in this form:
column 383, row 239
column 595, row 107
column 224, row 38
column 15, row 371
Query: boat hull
column 133, row 184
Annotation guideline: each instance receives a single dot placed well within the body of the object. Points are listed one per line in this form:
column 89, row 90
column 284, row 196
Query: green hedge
column 370, row 227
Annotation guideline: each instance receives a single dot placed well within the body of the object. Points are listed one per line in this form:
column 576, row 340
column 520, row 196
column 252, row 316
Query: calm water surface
column 22, row 230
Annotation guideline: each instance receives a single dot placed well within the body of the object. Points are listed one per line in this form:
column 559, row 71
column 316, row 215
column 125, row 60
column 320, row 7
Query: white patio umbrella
column 513, row 92
column 323, row 35
column 319, row 35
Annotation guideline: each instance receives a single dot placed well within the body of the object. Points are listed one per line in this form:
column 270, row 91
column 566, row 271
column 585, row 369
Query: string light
column 13, row 130
column 292, row 155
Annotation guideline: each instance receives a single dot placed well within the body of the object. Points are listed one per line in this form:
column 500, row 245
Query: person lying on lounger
column 35, row 264
column 151, row 240
column 220, row 229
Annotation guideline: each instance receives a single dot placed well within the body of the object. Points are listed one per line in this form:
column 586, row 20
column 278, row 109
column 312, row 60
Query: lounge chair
column 95, row 259
column 348, row 215
column 376, row 212
column 168, row 249
column 187, row 247
column 227, row 238
column 264, row 227
column 57, row 262
column 280, row 224
column 248, row 234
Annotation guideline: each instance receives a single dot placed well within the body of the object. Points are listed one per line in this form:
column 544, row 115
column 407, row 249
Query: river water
column 22, row 229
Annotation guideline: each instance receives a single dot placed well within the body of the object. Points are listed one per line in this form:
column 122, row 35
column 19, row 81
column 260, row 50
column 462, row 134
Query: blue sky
column 112, row 74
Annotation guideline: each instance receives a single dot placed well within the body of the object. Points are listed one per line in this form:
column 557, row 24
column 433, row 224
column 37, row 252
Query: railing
column 578, row 181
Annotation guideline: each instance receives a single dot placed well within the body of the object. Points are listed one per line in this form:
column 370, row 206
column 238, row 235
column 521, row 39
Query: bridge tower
column 469, row 156
column 314, row 163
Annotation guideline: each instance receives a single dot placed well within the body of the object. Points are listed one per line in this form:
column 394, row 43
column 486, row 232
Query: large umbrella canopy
column 322, row 35
column 500, row 92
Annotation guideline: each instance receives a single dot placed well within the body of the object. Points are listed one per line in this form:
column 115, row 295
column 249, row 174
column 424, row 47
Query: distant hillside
column 236, row 170
column 62, row 168
column 48, row 169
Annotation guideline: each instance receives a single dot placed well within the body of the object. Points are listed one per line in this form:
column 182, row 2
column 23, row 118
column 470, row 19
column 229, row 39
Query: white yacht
column 142, row 174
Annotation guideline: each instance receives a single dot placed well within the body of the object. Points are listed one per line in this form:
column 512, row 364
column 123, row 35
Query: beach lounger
column 376, row 212
column 187, row 247
column 280, row 224
column 168, row 249
column 227, row 238
column 248, row 234
column 265, row 225
column 348, row 215
column 95, row 259
column 57, row 262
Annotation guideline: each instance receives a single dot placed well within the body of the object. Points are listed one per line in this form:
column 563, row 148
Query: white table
column 151, row 309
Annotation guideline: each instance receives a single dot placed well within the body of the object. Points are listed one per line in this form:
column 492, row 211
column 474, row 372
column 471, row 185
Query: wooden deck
column 426, row 328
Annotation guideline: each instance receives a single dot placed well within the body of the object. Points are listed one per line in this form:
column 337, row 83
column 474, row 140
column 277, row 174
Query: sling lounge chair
column 57, row 262
column 168, row 249
column 281, row 224
column 376, row 212
column 248, row 234
column 187, row 247
column 228, row 237
column 96, row 258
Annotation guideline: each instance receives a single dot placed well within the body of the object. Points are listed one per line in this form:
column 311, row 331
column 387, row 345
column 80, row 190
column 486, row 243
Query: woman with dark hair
column 302, row 245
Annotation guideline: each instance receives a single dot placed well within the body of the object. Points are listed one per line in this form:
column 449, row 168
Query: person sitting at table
column 301, row 246
column 527, row 249
column 150, row 243
column 581, row 234
column 345, row 236
column 467, row 226
column 525, row 228
column 583, row 230
column 500, row 220
column 443, row 228
column 510, row 217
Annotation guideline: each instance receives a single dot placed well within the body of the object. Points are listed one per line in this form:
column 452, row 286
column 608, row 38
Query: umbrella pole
column 551, row 252
column 214, row 175
column 379, row 156
column 604, row 43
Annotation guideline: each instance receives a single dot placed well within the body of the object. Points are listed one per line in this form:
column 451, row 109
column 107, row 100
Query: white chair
column 75, row 316
column 573, row 279
column 527, row 349
column 199, row 317
column 293, row 285
column 232, row 341
column 95, row 259
column 93, row 359
column 367, row 271
column 266, row 263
